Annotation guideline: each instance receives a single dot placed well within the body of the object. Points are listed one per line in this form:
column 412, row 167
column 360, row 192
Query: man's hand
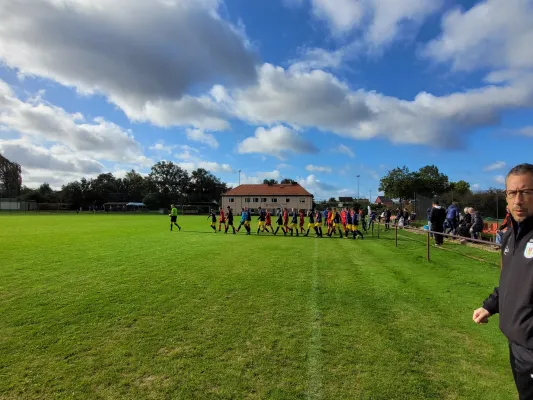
column 481, row 316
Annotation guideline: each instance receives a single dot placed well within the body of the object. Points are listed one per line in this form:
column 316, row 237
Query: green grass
column 118, row 307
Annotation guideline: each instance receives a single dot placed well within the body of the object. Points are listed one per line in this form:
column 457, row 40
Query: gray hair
column 521, row 169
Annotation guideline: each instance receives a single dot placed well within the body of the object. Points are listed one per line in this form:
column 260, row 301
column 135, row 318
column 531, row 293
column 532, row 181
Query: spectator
column 477, row 223
column 437, row 218
column 452, row 214
column 503, row 228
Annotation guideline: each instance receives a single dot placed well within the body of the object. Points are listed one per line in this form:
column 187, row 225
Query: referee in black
column 513, row 298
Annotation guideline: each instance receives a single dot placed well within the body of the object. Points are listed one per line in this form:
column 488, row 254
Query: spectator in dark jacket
column 477, row 223
column 437, row 218
column 503, row 227
column 452, row 216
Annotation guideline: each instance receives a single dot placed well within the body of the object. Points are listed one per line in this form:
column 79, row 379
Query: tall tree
column 430, row 182
column 134, row 185
column 399, row 183
column 170, row 180
column 72, row 193
column 270, row 182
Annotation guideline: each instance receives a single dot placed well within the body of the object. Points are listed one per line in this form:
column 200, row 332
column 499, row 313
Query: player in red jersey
column 268, row 221
column 302, row 221
column 222, row 220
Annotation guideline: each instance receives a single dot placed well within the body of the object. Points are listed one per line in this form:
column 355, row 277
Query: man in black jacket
column 513, row 298
column 437, row 218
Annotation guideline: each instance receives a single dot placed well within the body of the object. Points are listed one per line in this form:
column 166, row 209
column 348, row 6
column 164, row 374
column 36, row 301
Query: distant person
column 222, row 220
column 326, row 219
column 311, row 224
column 280, row 224
column 388, row 216
column 452, row 215
column 268, row 222
column 477, row 223
column 294, row 222
column 437, row 218
column 512, row 299
column 230, row 220
column 213, row 216
column 261, row 220
column 302, row 221
column 503, row 227
column 355, row 225
column 174, row 217
column 318, row 223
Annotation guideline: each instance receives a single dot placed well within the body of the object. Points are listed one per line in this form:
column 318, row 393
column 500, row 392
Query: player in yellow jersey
column 174, row 217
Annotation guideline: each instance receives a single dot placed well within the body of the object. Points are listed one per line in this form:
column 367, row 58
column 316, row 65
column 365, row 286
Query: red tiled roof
column 268, row 190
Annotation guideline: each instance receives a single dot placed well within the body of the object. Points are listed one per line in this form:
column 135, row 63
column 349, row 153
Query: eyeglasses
column 511, row 194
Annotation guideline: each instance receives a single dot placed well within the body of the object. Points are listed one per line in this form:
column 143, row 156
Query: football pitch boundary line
column 314, row 364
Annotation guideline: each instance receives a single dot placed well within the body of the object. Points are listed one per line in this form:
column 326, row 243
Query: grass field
column 119, row 307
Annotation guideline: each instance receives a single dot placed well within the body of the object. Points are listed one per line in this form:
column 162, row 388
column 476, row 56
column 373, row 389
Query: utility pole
column 239, row 177
column 370, row 196
column 358, row 186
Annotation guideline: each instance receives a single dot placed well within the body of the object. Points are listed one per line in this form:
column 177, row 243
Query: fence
column 424, row 238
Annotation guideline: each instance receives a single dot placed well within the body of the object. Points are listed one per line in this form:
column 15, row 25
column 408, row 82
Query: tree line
column 165, row 184
column 403, row 184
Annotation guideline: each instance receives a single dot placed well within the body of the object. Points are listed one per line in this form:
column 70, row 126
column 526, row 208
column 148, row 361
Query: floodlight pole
column 357, row 186
column 239, row 177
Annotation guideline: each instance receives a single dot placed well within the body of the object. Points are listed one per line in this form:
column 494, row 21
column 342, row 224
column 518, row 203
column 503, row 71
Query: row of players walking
column 344, row 222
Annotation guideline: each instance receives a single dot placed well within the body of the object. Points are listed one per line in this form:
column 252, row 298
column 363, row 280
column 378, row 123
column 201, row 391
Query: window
column 274, row 200
column 256, row 199
column 263, row 199
column 232, row 200
column 246, row 199
column 287, row 200
column 302, row 199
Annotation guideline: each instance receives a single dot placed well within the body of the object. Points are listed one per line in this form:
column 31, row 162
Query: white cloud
column 258, row 177
column 495, row 166
column 341, row 15
column 55, row 159
column 200, row 136
column 341, row 148
column 144, row 55
column 318, row 188
column 161, row 147
column 317, row 99
column 499, row 179
column 43, row 122
column 381, row 21
column 189, row 161
column 283, row 166
column 318, row 168
column 276, row 141
column 526, row 131
column 494, row 33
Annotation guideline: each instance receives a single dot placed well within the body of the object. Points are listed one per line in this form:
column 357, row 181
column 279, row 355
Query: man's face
column 520, row 203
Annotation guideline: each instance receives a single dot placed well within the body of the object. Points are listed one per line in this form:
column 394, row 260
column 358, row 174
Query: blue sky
column 315, row 90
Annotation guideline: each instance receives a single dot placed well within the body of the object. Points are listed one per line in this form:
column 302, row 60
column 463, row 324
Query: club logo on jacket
column 506, row 250
column 528, row 252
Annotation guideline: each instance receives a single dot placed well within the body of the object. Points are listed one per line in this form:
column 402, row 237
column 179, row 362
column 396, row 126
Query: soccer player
column 222, row 220
column 174, row 217
column 343, row 219
column 326, row 219
column 329, row 220
column 230, row 221
column 280, row 224
column 261, row 219
column 268, row 222
column 302, row 217
column 349, row 223
column 213, row 216
column 294, row 222
column 286, row 220
column 337, row 222
column 243, row 218
column 355, row 226
column 311, row 224
column 318, row 223
column 248, row 222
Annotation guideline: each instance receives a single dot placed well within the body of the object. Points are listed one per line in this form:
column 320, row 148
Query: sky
column 319, row 91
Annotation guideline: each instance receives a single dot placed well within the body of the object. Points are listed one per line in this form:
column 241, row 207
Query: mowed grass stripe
column 103, row 306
